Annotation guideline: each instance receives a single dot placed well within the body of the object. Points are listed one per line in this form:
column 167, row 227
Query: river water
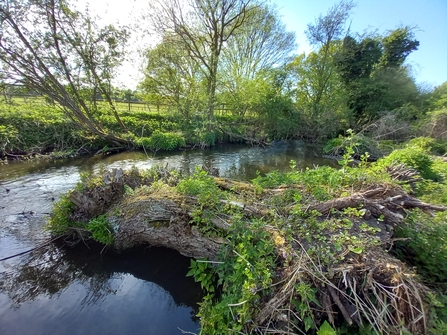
column 59, row 289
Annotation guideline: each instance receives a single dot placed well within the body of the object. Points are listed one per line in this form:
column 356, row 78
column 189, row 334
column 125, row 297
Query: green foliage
column 161, row 141
column 101, row 230
column 202, row 185
column 438, row 98
column 352, row 146
column 244, row 276
column 438, row 317
column 326, row 329
column 59, row 221
column 372, row 71
column 426, row 247
column 34, row 127
column 415, row 156
column 321, row 100
column 203, row 273
column 322, row 182
column 305, row 295
column 436, row 124
column 397, row 45
column 431, row 145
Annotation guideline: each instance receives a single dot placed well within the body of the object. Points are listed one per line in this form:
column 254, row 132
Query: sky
column 429, row 62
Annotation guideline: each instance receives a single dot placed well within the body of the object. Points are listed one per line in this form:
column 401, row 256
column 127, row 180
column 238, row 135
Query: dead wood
column 403, row 173
column 160, row 216
column 380, row 200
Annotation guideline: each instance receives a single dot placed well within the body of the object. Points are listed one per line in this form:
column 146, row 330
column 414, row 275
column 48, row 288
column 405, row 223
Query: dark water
column 76, row 290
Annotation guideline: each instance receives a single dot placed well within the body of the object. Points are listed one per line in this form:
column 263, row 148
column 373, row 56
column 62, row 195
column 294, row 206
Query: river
column 61, row 289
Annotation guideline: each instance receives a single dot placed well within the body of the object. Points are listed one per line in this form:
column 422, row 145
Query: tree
column 372, row 71
column 438, row 99
column 62, row 54
column 397, row 45
column 171, row 76
column 321, row 34
column 260, row 45
column 204, row 26
column 324, row 112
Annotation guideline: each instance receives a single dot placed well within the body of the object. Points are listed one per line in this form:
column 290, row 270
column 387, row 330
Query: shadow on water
column 140, row 291
column 61, row 290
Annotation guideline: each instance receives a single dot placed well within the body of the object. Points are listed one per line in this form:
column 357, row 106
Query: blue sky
column 429, row 62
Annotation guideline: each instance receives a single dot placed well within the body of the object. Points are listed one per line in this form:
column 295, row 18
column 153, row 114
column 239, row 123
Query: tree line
column 209, row 52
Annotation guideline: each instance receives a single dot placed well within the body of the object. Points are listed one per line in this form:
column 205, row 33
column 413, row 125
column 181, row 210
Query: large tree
column 372, row 71
column 320, row 96
column 172, row 77
column 321, row 34
column 63, row 54
column 204, row 26
column 260, row 45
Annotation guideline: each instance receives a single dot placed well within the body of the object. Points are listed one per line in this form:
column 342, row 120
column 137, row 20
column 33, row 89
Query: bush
column 431, row 145
column 436, row 126
column 413, row 156
column 360, row 145
column 161, row 141
column 426, row 247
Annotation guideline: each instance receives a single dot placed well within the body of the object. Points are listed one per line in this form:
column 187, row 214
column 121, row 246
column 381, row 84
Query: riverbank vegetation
column 358, row 249
column 241, row 83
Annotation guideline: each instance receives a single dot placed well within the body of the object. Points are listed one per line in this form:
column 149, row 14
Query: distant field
column 133, row 106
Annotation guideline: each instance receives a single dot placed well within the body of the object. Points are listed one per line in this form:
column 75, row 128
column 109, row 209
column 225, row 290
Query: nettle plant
column 236, row 283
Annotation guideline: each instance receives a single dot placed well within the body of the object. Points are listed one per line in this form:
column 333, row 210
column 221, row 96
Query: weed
column 244, row 274
column 101, row 230
column 59, row 221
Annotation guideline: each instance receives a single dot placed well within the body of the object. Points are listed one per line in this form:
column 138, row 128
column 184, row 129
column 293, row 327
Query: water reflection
column 140, row 291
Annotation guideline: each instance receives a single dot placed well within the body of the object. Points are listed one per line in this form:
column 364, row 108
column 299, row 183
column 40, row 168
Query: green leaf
column 191, row 273
column 326, row 329
column 309, row 323
column 358, row 250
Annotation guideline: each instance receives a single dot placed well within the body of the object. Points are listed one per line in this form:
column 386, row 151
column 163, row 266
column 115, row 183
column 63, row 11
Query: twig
column 31, row 250
column 340, row 305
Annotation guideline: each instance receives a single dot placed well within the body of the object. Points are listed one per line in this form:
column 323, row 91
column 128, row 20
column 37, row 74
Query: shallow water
column 66, row 290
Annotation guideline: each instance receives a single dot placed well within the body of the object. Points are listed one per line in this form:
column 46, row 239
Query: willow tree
column 251, row 55
column 63, row 54
column 170, row 76
column 204, row 26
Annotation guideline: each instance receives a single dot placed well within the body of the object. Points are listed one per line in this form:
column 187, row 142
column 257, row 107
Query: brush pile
column 331, row 262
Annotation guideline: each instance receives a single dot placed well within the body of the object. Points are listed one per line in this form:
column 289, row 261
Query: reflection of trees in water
column 51, row 270
column 48, row 271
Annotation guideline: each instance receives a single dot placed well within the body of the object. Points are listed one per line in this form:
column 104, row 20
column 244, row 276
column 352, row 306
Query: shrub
column 358, row 143
column 59, row 222
column 413, row 156
column 436, row 127
column 426, row 247
column 202, row 185
column 161, row 141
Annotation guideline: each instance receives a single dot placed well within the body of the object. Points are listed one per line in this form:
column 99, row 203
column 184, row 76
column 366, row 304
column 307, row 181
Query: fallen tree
column 276, row 257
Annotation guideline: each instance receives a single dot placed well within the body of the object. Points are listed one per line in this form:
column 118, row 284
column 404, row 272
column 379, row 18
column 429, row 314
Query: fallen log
column 160, row 222
column 155, row 212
